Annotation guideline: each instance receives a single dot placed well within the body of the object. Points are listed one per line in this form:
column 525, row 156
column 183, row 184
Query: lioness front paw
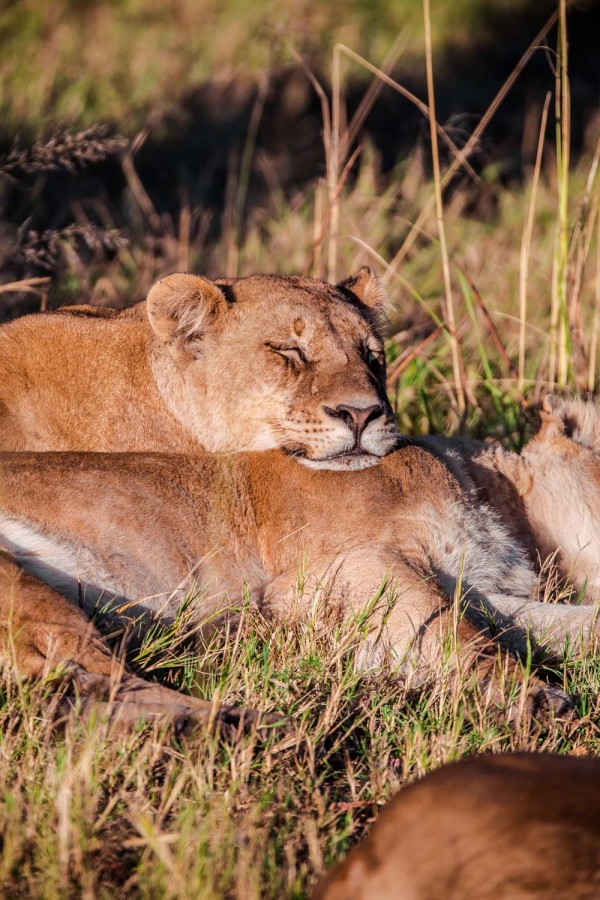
column 539, row 701
column 546, row 702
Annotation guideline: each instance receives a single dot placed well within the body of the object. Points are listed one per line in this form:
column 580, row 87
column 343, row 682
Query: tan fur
column 509, row 827
column 548, row 496
column 42, row 634
column 250, row 363
column 149, row 529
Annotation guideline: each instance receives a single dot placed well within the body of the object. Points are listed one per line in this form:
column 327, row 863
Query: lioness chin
column 141, row 531
column 235, row 364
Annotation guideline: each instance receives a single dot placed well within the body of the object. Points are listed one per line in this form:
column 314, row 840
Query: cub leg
column 41, row 631
column 448, row 641
column 562, row 628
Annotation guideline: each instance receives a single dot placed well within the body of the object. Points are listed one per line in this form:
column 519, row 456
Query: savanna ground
column 494, row 297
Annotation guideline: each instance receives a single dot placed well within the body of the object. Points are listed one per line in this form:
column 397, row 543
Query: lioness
column 548, row 496
column 522, row 825
column 236, row 364
column 150, row 528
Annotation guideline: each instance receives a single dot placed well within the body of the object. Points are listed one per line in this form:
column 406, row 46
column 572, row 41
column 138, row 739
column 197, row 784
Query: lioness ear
column 553, row 418
column 551, row 404
column 180, row 307
column 367, row 287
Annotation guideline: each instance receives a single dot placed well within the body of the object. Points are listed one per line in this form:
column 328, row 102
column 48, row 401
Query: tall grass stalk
column 334, row 165
column 473, row 141
column 449, row 301
column 374, row 90
column 315, row 267
column 560, row 333
column 321, row 221
column 337, row 140
column 385, row 78
column 338, row 158
column 526, row 242
column 408, row 287
column 596, row 320
column 248, row 157
column 27, row 285
column 581, row 241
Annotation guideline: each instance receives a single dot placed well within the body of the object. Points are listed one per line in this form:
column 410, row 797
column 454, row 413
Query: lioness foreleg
column 448, row 644
column 562, row 628
column 41, row 633
column 463, row 650
column 405, row 616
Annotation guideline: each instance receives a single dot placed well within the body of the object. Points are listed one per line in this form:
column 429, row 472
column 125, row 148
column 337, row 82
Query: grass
column 86, row 813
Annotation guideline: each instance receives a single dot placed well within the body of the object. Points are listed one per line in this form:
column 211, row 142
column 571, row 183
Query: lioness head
column 275, row 361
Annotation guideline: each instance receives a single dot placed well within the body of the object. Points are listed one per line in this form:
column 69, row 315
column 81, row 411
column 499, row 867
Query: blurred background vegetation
column 87, row 60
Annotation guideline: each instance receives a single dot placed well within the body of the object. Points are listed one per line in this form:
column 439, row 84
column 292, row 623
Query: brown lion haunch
column 503, row 827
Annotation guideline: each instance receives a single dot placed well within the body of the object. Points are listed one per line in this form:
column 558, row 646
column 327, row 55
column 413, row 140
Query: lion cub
column 548, row 496
column 236, row 364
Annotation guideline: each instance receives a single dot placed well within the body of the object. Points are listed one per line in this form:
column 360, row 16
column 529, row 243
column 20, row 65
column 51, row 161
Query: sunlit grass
column 85, row 813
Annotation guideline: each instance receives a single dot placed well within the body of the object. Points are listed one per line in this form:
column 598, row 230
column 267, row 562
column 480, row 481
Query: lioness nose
column 355, row 418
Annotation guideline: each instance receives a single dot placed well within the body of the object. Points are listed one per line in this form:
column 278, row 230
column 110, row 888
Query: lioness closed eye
column 240, row 364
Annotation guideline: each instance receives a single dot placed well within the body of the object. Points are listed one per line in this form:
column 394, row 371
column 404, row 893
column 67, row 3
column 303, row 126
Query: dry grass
column 84, row 813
